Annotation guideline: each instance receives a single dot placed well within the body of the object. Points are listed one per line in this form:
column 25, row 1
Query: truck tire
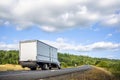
column 50, row 66
column 33, row 68
column 45, row 67
column 58, row 67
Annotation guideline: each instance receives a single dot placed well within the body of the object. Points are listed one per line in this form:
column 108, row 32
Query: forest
column 67, row 60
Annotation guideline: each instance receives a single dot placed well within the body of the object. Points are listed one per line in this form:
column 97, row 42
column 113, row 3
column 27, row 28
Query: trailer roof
column 27, row 41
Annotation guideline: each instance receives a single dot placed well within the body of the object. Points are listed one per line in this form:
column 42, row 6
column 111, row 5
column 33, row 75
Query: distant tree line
column 69, row 60
column 9, row 57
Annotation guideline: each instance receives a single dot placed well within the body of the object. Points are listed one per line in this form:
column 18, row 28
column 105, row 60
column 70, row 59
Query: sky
column 80, row 27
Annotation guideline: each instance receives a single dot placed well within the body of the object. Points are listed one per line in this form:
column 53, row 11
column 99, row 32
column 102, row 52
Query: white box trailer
column 34, row 54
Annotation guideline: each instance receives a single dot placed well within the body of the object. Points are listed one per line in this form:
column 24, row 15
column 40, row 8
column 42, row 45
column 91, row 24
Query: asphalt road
column 36, row 75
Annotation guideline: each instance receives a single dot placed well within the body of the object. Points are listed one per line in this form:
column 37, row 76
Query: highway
column 39, row 74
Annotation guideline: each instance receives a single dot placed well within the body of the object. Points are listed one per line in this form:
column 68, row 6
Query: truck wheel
column 33, row 68
column 45, row 67
column 50, row 68
column 59, row 67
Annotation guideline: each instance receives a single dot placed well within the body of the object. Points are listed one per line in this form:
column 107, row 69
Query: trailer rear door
column 28, row 51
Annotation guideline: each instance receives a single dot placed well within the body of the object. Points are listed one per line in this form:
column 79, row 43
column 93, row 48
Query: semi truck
column 37, row 54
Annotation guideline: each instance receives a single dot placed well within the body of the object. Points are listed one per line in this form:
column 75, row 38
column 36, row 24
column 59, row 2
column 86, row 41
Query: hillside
column 69, row 60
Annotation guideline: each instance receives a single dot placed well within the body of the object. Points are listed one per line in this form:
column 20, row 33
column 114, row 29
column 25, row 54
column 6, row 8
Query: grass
column 11, row 67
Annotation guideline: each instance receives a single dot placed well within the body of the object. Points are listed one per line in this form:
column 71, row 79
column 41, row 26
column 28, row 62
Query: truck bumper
column 28, row 64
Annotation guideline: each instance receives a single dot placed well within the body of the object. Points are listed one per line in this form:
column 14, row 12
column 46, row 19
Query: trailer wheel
column 45, row 67
column 33, row 68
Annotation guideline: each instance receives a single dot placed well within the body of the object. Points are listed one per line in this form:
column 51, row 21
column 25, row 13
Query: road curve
column 35, row 75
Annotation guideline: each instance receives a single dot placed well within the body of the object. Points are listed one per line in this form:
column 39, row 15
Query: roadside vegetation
column 95, row 73
column 11, row 67
column 67, row 60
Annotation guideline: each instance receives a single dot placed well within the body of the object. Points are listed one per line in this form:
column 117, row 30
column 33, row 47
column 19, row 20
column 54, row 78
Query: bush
column 63, row 65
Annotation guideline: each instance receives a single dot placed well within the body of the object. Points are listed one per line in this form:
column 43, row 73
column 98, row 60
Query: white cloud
column 48, row 28
column 109, row 35
column 112, row 20
column 56, row 15
column 103, row 46
column 63, row 44
column 4, row 46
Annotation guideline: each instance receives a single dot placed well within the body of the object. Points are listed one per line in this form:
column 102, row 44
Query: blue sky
column 75, row 28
